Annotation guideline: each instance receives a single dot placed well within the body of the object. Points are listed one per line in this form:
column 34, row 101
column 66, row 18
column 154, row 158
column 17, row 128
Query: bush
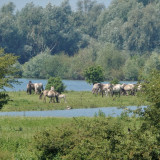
column 114, row 81
column 57, row 83
column 94, row 74
column 98, row 138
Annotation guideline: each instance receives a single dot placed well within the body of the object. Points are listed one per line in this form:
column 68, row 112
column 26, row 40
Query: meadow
column 16, row 135
column 101, row 137
column 21, row 101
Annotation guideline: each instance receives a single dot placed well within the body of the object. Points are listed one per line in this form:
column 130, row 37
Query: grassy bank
column 21, row 101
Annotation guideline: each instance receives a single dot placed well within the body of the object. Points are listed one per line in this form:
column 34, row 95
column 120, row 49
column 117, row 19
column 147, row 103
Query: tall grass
column 20, row 101
column 17, row 133
column 17, row 138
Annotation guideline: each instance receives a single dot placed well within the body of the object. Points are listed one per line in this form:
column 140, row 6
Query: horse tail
column 40, row 96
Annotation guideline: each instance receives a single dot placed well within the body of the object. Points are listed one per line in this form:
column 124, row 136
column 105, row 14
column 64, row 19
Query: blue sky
column 21, row 3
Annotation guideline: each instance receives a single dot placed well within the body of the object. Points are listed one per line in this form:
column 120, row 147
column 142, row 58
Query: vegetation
column 6, row 71
column 58, row 42
column 20, row 101
column 98, row 138
column 94, row 74
column 71, row 138
column 16, row 138
column 57, row 83
column 151, row 91
column 55, row 41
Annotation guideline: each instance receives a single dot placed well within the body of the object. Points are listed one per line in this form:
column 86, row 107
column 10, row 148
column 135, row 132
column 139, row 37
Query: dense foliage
column 151, row 92
column 94, row 74
column 7, row 69
column 98, row 138
column 57, row 83
column 123, row 38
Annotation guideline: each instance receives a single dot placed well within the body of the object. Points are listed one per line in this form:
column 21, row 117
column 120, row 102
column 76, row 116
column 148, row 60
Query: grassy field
column 21, row 101
column 16, row 135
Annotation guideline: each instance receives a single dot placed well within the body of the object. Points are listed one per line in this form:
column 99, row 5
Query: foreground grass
column 16, row 135
column 20, row 101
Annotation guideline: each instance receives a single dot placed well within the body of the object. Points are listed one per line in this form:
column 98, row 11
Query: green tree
column 131, row 69
column 57, row 83
column 6, row 71
column 29, row 22
column 150, row 92
column 36, row 66
column 112, row 61
column 153, row 62
column 94, row 74
column 45, row 65
column 84, row 59
column 9, row 36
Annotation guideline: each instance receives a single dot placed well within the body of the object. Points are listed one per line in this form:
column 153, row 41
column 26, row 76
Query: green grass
column 16, row 135
column 21, row 101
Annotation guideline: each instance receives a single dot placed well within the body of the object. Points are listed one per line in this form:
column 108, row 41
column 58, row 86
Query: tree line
column 56, row 41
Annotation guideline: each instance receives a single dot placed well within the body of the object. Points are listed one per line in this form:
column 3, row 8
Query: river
column 85, row 112
column 71, row 85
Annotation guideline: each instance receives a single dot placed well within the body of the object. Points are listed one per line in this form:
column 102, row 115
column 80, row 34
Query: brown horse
column 30, row 87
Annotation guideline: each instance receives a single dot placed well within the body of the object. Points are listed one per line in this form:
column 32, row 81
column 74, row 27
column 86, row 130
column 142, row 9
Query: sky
column 21, row 3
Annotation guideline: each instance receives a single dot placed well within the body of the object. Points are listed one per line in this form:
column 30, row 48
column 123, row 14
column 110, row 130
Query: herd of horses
column 116, row 89
column 38, row 89
column 107, row 89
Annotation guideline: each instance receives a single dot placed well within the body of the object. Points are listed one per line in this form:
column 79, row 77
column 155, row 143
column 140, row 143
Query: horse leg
column 57, row 99
column 65, row 100
column 44, row 99
column 50, row 100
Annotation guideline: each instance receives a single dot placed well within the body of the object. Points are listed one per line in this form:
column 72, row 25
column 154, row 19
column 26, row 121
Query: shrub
column 57, row 83
column 97, row 138
column 94, row 74
column 114, row 81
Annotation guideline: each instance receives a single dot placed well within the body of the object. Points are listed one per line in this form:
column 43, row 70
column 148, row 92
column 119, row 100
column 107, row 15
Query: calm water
column 75, row 85
column 86, row 112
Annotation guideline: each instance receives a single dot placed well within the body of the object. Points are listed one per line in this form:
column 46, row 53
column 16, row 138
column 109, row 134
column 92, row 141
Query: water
column 75, row 85
column 85, row 112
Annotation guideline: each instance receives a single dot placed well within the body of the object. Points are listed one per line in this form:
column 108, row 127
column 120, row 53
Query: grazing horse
column 99, row 87
column 62, row 96
column 30, row 87
column 117, row 89
column 50, row 94
column 106, row 88
column 130, row 89
column 37, row 87
column 96, row 88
